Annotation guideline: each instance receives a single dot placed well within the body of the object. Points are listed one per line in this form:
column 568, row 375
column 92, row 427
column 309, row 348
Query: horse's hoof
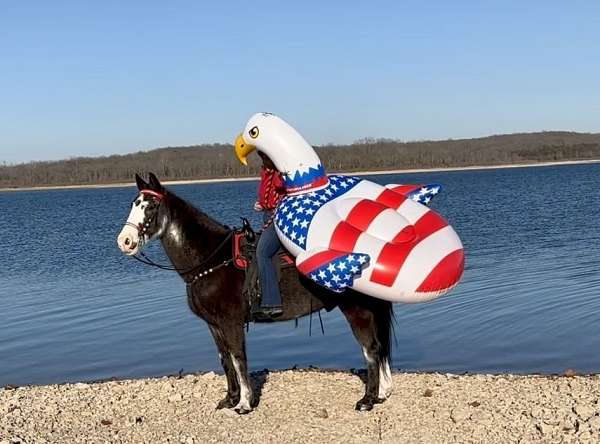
column 364, row 405
column 226, row 403
column 242, row 410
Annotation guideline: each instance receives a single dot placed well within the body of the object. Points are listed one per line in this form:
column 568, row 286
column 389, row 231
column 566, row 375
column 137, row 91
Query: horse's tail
column 385, row 331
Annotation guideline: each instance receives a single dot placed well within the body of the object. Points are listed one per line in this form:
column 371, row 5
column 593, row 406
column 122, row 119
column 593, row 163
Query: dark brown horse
column 200, row 251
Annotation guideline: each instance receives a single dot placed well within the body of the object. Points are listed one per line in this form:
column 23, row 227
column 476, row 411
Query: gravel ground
column 307, row 406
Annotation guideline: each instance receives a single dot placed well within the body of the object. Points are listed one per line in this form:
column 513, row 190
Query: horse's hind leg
column 233, row 388
column 371, row 327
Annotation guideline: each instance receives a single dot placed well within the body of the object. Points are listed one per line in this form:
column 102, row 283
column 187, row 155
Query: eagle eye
column 253, row 132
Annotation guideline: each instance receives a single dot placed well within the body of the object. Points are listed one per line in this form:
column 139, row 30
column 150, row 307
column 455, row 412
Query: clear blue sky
column 92, row 78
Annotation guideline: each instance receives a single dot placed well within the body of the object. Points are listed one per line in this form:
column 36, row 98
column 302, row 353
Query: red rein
column 156, row 194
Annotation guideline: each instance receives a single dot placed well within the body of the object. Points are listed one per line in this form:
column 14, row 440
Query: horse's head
column 147, row 219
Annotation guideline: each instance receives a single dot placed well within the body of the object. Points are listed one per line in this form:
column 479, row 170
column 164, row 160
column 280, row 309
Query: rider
column 270, row 192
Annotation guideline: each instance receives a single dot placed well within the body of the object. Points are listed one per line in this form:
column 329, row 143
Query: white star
column 354, row 269
column 323, row 198
column 295, row 222
column 344, row 184
column 328, row 192
column 301, row 239
column 295, row 203
column 362, row 259
column 310, row 212
column 299, row 210
column 286, row 229
column 331, row 268
column 342, row 266
column 335, row 278
column 327, row 284
column 426, row 200
column 312, row 193
column 322, row 274
column 334, row 187
column 289, row 216
column 306, row 201
column 304, row 224
column 293, row 235
column 350, row 258
column 347, row 276
column 313, row 276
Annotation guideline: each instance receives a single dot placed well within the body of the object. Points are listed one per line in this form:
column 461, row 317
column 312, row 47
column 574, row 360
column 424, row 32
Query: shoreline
column 358, row 173
column 308, row 406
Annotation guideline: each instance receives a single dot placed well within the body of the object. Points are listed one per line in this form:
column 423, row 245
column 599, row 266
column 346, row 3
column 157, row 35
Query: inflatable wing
column 349, row 232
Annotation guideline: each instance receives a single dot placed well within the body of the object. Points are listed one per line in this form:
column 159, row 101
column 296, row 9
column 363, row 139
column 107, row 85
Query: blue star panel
column 295, row 213
column 339, row 273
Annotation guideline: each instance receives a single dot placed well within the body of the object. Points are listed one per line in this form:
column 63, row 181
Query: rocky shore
column 307, row 406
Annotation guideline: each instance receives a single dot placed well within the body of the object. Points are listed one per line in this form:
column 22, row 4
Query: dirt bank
column 308, row 406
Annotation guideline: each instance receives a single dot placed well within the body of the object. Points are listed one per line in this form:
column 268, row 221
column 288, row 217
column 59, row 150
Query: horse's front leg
column 233, row 355
column 233, row 388
column 237, row 344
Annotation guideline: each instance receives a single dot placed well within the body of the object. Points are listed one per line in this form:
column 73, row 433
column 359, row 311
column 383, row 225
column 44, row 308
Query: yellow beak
column 242, row 149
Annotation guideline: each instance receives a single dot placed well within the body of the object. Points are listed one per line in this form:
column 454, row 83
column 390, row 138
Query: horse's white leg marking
column 245, row 392
column 368, row 357
column 385, row 380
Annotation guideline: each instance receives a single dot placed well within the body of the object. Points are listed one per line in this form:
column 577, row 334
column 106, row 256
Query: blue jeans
column 268, row 246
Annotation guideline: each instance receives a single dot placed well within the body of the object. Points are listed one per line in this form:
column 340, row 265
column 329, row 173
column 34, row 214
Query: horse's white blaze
column 128, row 239
column 385, row 380
column 245, row 391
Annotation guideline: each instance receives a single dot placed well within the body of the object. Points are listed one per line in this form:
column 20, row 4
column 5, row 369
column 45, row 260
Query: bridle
column 196, row 270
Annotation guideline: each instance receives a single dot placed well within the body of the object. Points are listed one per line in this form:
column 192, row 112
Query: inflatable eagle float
column 345, row 231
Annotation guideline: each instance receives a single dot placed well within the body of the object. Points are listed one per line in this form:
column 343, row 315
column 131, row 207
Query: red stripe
column 405, row 189
column 318, row 260
column 346, row 233
column 391, row 199
column 363, row 213
column 406, row 234
column 344, row 237
column 392, row 256
column 445, row 274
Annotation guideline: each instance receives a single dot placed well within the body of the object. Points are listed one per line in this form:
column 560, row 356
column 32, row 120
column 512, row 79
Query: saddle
column 245, row 241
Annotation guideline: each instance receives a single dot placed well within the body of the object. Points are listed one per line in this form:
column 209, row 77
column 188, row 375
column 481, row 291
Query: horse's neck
column 190, row 237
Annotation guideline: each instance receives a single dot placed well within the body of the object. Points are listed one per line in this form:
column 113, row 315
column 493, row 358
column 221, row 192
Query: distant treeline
column 218, row 160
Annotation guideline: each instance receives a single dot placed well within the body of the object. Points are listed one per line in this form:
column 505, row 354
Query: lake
column 73, row 308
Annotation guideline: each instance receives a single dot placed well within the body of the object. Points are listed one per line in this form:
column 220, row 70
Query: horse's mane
column 186, row 214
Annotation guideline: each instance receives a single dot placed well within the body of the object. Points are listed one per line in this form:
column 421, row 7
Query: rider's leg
column 267, row 247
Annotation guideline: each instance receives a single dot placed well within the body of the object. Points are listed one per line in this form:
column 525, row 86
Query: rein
column 146, row 260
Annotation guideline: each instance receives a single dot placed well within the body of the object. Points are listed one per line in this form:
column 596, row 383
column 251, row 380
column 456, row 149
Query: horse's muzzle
column 128, row 241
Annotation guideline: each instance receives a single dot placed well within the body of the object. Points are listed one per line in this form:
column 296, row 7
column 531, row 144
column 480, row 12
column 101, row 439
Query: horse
column 200, row 250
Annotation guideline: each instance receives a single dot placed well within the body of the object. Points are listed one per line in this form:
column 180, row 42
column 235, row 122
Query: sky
column 84, row 78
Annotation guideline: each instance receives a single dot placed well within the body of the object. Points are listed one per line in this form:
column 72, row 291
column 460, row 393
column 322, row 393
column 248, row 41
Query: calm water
column 73, row 308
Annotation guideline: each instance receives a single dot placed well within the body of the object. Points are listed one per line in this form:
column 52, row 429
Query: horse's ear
column 154, row 182
column 141, row 183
